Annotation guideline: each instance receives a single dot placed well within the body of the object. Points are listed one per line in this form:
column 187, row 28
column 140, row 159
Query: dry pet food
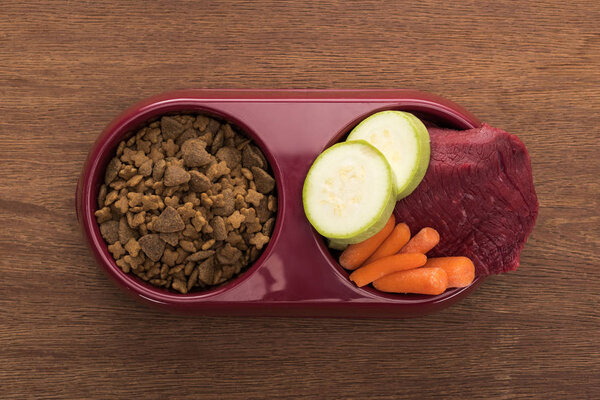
column 187, row 203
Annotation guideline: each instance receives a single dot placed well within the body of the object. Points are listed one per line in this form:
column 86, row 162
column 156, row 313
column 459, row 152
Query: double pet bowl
column 296, row 273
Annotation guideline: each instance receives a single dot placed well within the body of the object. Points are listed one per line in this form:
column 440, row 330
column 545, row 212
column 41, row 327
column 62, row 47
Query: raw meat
column 478, row 193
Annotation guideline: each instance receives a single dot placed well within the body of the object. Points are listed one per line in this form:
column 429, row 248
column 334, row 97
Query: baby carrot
column 356, row 254
column 385, row 266
column 419, row 280
column 460, row 270
column 422, row 242
column 397, row 239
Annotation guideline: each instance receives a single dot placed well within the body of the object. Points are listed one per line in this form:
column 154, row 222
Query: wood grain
column 67, row 68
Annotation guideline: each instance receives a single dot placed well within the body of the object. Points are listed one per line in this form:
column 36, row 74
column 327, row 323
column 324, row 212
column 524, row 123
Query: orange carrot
column 460, row 270
column 356, row 254
column 385, row 266
column 422, row 242
column 397, row 239
column 419, row 280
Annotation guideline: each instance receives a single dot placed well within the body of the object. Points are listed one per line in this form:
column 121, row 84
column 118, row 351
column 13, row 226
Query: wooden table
column 67, row 68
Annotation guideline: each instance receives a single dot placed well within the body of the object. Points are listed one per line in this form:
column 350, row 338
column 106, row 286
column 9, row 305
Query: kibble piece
column 112, row 170
column 118, row 184
column 235, row 239
column 200, row 255
column 207, row 229
column 102, row 195
column 187, row 246
column 139, row 158
column 134, row 181
column 198, row 221
column 228, row 131
column 133, row 247
column 186, row 211
column 251, row 157
column 181, row 255
column 267, row 228
column 236, row 219
column 252, row 227
column 177, row 270
column 121, row 205
column 249, row 214
column 103, row 215
column 231, row 156
column 190, row 232
column 228, row 204
column 186, row 135
column 242, row 142
column 201, row 122
column 152, row 202
column 138, row 219
column 205, row 200
column 172, row 201
column 164, row 270
column 253, row 197
column 188, row 268
column 169, row 257
column 170, row 127
column 259, row 240
column 262, row 211
column 152, row 246
column 156, row 153
column 213, row 126
column 116, row 250
column 159, row 169
column 146, row 168
column 127, row 153
column 240, row 202
column 217, row 143
column 175, row 175
column 206, row 271
column 208, row 244
column 168, row 221
column 195, row 154
column 135, row 199
column 199, row 182
column 215, row 171
column 110, row 231
column 272, row 203
column 193, row 279
column 251, row 222
column 264, row 182
column 228, row 254
column 152, row 135
column 125, row 231
column 254, row 253
column 143, row 146
column 247, row 174
column 179, row 285
column 127, row 172
column 123, row 265
column 170, row 148
column 219, row 230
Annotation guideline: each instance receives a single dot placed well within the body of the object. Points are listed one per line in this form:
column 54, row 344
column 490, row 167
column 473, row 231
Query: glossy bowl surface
column 296, row 274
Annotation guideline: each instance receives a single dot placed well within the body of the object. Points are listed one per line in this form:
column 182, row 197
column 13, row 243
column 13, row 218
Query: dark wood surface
column 67, row 68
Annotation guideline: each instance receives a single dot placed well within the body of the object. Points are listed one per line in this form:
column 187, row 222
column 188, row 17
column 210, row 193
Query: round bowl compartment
column 122, row 127
column 438, row 115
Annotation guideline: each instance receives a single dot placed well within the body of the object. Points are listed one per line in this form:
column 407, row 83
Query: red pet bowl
column 296, row 274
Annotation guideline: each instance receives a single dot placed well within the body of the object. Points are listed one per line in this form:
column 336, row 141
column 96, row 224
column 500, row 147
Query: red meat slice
column 478, row 194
